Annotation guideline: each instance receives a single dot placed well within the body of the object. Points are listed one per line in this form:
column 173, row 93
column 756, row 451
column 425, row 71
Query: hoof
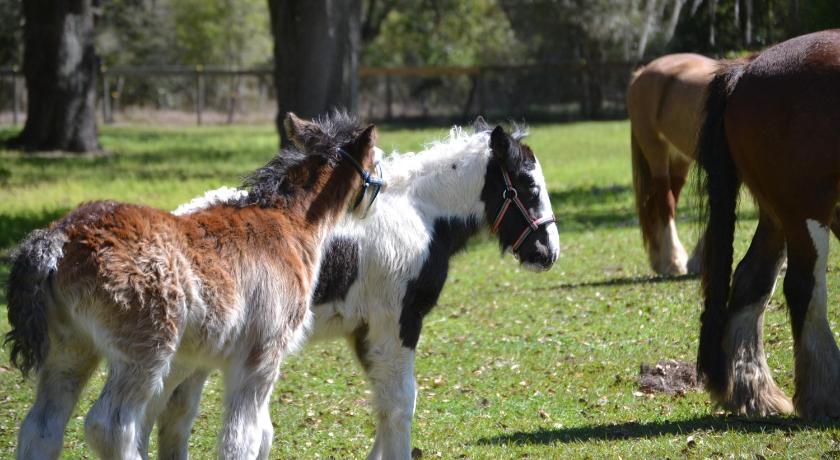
column 770, row 400
column 824, row 408
column 671, row 263
column 674, row 268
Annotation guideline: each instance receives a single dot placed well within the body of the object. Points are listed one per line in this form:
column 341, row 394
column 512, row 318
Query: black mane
column 273, row 183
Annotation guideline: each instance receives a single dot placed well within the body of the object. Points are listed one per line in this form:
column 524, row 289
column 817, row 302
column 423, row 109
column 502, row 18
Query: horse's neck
column 443, row 181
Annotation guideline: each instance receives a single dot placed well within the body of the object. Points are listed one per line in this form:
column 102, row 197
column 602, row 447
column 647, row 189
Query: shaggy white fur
column 443, row 181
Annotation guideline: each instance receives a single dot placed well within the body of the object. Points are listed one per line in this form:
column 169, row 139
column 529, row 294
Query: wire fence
column 572, row 90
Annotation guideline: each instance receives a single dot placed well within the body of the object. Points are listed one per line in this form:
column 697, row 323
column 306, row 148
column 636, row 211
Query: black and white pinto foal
column 380, row 276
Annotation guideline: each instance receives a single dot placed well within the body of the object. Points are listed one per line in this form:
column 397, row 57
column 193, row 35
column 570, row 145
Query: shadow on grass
column 620, row 282
column 611, row 206
column 591, row 195
column 634, row 430
column 577, row 208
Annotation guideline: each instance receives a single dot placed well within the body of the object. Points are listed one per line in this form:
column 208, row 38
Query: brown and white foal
column 159, row 295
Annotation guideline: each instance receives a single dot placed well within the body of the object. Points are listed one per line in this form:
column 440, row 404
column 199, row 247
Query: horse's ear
column 298, row 130
column 501, row 147
column 363, row 144
column 480, row 125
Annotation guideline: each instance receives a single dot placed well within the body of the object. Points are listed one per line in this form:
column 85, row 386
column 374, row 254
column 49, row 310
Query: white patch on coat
column 211, row 198
column 445, row 180
column 545, row 209
column 817, row 357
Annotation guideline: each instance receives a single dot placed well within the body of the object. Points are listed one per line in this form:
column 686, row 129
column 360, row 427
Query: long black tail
column 34, row 260
column 720, row 185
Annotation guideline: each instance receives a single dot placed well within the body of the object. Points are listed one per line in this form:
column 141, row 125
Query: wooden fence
column 585, row 90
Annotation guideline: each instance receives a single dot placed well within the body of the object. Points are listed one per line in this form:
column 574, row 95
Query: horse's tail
column 27, row 292
column 719, row 184
column 642, row 185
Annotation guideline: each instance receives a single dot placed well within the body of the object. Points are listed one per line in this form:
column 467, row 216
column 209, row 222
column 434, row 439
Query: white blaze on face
column 546, row 210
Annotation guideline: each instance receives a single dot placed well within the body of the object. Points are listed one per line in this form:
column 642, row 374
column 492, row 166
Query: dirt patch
column 668, row 376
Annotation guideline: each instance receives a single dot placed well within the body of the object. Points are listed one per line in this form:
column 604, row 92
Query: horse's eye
column 535, row 190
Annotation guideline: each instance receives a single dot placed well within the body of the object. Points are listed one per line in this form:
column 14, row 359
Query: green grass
column 511, row 364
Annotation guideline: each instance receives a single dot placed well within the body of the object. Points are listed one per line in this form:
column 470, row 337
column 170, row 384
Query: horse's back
column 783, row 114
column 667, row 96
column 123, row 268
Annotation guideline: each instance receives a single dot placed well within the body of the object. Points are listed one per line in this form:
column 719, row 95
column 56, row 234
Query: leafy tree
column 721, row 27
column 134, row 32
column 441, row 32
column 234, row 33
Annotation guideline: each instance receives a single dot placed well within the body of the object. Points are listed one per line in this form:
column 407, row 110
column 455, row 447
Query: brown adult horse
column 665, row 102
column 772, row 123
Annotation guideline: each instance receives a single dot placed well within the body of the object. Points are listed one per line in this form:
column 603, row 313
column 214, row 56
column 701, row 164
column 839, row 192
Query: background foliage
column 444, row 32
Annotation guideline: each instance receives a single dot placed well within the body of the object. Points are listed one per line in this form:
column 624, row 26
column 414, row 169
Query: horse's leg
column 679, row 168
column 66, row 369
column 267, row 429
column 114, row 425
column 817, row 374
column 751, row 388
column 390, row 368
column 657, row 206
column 248, row 385
column 177, row 374
column 176, row 419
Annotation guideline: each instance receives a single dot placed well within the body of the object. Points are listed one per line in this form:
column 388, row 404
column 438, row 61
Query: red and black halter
column 510, row 196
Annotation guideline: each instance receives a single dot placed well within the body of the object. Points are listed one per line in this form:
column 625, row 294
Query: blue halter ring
column 368, row 181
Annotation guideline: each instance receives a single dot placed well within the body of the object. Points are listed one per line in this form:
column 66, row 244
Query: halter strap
column 511, row 196
column 367, row 180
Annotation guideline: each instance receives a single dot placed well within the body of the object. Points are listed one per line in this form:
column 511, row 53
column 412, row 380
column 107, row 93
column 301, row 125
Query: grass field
column 511, row 364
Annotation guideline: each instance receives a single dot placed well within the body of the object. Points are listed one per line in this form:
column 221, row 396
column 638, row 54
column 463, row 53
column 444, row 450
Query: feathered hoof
column 670, row 263
column 671, row 268
column 766, row 400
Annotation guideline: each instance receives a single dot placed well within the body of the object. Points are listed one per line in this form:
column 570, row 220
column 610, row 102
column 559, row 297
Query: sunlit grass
column 511, row 364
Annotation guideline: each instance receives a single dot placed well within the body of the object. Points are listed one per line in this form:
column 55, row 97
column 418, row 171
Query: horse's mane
column 404, row 168
column 273, row 182
column 400, row 168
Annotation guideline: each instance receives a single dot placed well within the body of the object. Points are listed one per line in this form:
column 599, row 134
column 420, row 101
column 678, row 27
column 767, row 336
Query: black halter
column 375, row 183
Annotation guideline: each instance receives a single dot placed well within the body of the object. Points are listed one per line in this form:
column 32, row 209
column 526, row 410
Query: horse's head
column 340, row 139
column 516, row 201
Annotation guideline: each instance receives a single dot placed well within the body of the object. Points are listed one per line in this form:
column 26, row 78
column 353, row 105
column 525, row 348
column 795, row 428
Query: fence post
column 115, row 104
column 15, row 96
column 232, row 97
column 199, row 92
column 389, row 115
column 106, row 96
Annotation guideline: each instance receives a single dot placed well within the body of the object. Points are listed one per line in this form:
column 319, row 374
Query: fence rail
column 569, row 89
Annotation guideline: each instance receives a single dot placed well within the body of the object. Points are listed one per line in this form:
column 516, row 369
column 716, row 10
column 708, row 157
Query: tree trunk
column 672, row 22
column 712, row 15
column 650, row 12
column 315, row 56
column 60, row 66
column 748, row 4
